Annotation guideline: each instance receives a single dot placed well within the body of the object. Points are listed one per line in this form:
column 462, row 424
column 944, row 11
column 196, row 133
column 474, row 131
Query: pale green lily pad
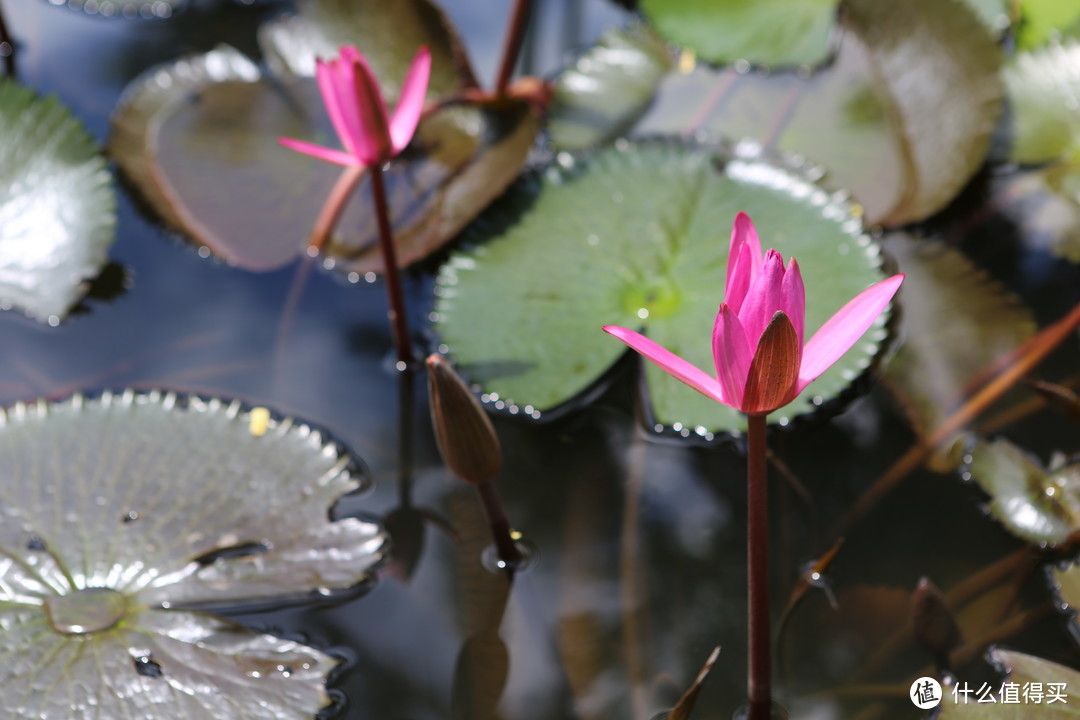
column 767, row 32
column 943, row 353
column 1036, row 504
column 122, row 513
column 637, row 235
column 1044, row 89
column 607, row 89
column 57, row 206
column 1032, row 681
column 903, row 116
column 1044, row 20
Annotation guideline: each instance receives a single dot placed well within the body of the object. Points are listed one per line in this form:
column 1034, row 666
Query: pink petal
column 669, row 362
column 793, row 298
column 732, row 355
column 763, row 298
column 326, row 75
column 373, row 137
column 843, row 329
column 410, row 101
column 323, row 153
column 744, row 261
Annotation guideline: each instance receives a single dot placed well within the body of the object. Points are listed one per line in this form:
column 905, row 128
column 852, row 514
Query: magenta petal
column 843, row 329
column 732, row 354
column 763, row 298
column 410, row 101
column 329, row 155
column 373, row 138
column 326, row 75
column 793, row 298
column 744, row 260
column 669, row 362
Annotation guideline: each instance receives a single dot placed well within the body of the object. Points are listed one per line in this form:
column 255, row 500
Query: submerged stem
column 334, row 205
column 398, row 321
column 515, row 33
column 500, row 526
column 759, row 676
column 7, row 47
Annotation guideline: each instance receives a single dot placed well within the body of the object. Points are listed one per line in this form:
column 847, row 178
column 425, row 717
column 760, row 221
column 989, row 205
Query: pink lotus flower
column 357, row 109
column 761, row 361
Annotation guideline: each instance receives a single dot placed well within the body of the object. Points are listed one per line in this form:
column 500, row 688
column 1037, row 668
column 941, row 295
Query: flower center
column 89, row 610
column 657, row 299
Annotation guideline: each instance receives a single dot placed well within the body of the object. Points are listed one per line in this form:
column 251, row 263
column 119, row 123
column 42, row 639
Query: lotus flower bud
column 466, row 437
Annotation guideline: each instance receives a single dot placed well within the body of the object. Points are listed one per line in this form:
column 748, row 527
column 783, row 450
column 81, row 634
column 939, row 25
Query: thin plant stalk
column 334, row 206
column 7, row 47
column 759, row 675
column 500, row 526
column 515, row 34
column 398, row 320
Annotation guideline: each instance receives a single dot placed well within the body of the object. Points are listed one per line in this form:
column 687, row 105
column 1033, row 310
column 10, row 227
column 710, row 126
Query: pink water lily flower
column 761, row 360
column 358, row 111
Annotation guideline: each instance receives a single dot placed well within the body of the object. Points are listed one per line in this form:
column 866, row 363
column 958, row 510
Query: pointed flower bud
column 463, row 430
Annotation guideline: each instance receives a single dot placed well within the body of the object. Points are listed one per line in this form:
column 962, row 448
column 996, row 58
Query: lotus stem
column 398, row 321
column 501, row 532
column 759, row 676
column 7, row 47
column 334, row 206
column 515, row 34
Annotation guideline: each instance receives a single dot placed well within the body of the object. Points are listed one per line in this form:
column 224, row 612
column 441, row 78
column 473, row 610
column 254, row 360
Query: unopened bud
column 465, row 435
column 933, row 623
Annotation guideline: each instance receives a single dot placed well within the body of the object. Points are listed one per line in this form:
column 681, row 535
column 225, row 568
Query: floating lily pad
column 199, row 138
column 607, row 89
column 1065, row 582
column 1044, row 88
column 943, row 352
column 127, row 9
column 123, row 513
column 637, row 235
column 903, row 115
column 1044, row 20
column 1031, row 683
column 57, row 206
column 1045, row 207
column 768, row 32
column 1038, row 505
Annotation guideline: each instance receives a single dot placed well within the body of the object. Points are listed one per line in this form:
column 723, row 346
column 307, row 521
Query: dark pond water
column 639, row 569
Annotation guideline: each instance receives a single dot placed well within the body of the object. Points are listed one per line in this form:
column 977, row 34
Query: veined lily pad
column 638, row 236
column 1036, row 504
column 943, row 352
column 123, row 513
column 768, row 32
column 903, row 115
column 199, row 139
column 57, row 206
column 1044, row 87
column 1036, row 689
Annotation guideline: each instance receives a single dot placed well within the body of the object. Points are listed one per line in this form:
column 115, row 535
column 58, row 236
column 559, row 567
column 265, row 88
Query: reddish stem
column 759, row 676
column 334, row 205
column 398, row 321
column 7, row 47
column 500, row 526
column 515, row 34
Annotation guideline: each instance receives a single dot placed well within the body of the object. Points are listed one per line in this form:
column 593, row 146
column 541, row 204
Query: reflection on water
column 641, row 544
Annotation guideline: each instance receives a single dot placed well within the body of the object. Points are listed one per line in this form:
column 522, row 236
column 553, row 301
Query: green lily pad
column 637, row 235
column 1044, row 88
column 122, row 514
column 57, row 206
column 903, row 115
column 1044, row 20
column 768, row 32
column 1035, row 504
column 943, row 353
column 607, row 89
column 1026, row 695
column 199, row 138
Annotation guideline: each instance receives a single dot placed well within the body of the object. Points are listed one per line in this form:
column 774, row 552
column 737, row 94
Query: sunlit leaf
column 57, row 205
column 1036, row 504
column 1044, row 20
column 604, row 92
column 903, row 116
column 768, row 32
column 122, row 513
column 943, row 353
column 638, row 236
column 1026, row 674
column 1044, row 90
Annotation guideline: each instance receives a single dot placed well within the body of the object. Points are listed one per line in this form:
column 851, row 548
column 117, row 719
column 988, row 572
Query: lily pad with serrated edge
column 57, row 206
column 1044, row 90
column 1036, row 504
column 766, row 32
column 903, row 116
column 124, row 512
column 943, row 353
column 199, row 139
column 637, row 235
column 1027, row 674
